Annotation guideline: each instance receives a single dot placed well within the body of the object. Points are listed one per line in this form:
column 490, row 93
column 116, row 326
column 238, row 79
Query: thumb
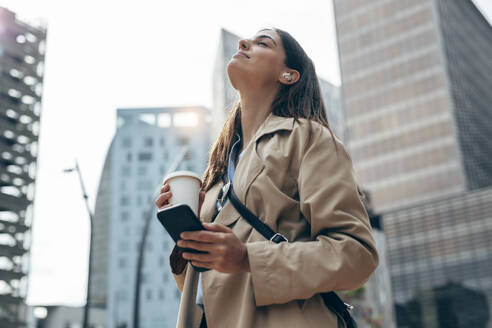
column 216, row 227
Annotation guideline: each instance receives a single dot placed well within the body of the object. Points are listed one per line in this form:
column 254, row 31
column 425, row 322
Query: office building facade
column 22, row 51
column 437, row 244
column 415, row 76
column 146, row 143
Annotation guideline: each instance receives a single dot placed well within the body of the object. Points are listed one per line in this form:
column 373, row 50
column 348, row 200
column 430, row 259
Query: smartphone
column 177, row 219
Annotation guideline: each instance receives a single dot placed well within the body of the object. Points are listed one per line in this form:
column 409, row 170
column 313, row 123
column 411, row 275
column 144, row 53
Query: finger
column 204, row 236
column 165, row 206
column 207, row 265
column 163, row 199
column 165, row 187
column 202, row 257
column 206, row 247
column 216, row 227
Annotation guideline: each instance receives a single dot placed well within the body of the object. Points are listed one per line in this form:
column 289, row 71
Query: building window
column 125, row 171
column 161, row 294
column 164, row 120
column 145, row 156
column 123, row 246
column 147, row 118
column 144, row 185
column 142, row 170
column 185, row 119
column 183, row 140
column 125, row 200
column 149, row 294
column 121, row 262
column 126, row 142
column 129, row 157
column 124, row 216
column 148, row 142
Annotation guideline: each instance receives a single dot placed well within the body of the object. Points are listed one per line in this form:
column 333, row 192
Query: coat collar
column 274, row 123
column 244, row 178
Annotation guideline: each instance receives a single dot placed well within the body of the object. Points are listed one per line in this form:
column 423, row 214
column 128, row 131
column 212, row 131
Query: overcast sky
column 102, row 55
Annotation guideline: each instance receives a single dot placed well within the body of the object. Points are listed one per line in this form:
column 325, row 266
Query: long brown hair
column 299, row 100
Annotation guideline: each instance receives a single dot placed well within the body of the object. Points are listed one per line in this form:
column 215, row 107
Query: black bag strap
column 331, row 299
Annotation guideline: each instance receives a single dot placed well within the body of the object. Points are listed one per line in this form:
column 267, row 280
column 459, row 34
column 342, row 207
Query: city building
column 336, row 118
column 225, row 96
column 59, row 316
column 437, row 243
column 145, row 144
column 416, row 78
column 374, row 301
column 22, row 51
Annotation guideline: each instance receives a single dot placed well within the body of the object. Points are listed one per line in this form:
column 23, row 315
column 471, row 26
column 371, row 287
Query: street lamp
column 141, row 251
column 85, row 323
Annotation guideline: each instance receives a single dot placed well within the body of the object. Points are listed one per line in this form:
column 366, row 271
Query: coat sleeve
column 342, row 254
column 178, row 267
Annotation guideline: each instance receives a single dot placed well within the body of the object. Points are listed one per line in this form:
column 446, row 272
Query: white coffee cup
column 185, row 188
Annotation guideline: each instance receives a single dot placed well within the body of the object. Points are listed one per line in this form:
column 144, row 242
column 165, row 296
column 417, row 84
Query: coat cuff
column 265, row 285
column 178, row 267
column 176, row 260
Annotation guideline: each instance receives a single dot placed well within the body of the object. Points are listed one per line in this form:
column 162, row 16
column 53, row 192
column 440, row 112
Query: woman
column 295, row 175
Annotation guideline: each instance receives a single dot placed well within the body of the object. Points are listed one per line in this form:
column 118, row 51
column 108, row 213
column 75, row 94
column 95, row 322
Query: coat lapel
column 208, row 206
column 249, row 167
column 251, row 164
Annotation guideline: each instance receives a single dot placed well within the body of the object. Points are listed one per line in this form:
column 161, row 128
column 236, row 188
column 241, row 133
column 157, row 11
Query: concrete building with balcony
column 22, row 51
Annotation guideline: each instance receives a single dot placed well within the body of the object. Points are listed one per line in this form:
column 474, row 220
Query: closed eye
column 263, row 43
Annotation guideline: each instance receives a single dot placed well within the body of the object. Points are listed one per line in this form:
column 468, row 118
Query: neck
column 255, row 108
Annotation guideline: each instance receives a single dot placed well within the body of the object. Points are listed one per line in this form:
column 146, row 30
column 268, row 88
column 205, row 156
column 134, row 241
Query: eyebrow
column 263, row 36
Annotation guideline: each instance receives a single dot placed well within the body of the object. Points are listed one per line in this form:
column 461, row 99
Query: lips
column 240, row 53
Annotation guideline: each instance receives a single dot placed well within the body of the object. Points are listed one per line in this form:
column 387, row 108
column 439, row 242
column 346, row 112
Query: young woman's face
column 258, row 61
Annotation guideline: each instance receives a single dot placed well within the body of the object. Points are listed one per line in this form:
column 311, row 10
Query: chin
column 235, row 72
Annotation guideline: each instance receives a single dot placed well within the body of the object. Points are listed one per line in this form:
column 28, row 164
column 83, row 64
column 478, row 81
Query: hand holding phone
column 177, row 219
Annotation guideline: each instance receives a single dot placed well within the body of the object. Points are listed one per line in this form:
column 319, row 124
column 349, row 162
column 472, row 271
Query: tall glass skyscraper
column 416, row 78
column 435, row 247
column 146, row 143
column 22, row 49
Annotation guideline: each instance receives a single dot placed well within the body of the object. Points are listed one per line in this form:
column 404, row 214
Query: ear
column 288, row 80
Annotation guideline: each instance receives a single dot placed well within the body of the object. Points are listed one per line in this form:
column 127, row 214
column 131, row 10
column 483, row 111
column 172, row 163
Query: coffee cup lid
column 182, row 173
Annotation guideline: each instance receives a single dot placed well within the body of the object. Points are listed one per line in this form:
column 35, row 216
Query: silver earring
column 287, row 76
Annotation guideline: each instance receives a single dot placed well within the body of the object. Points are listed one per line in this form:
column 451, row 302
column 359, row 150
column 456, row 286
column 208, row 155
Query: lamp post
column 85, row 323
column 141, row 251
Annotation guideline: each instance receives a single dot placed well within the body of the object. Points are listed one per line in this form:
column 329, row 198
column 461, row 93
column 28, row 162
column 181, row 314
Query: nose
column 243, row 44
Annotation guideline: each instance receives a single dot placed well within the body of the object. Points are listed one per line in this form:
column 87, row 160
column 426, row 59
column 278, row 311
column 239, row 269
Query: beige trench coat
column 307, row 193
